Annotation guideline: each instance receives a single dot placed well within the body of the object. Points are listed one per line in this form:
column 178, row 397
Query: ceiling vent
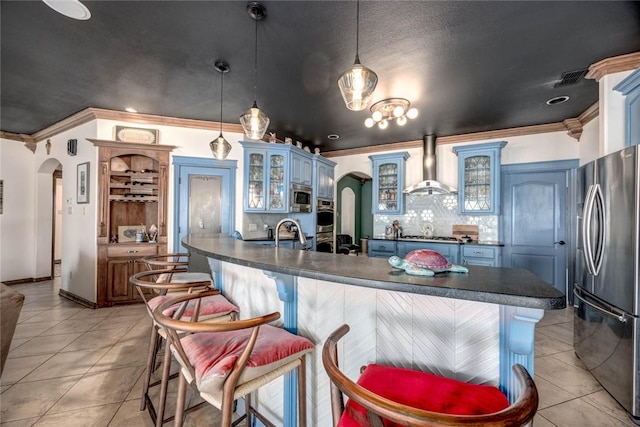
column 570, row 77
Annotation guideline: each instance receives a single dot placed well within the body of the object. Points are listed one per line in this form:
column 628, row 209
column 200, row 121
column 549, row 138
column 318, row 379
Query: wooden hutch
column 132, row 194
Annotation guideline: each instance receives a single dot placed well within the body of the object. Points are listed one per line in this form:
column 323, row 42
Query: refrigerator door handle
column 587, row 212
column 610, row 311
column 601, row 215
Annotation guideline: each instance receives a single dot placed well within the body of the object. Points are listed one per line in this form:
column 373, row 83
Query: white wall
column 57, row 240
column 612, row 117
column 589, row 147
column 520, row 149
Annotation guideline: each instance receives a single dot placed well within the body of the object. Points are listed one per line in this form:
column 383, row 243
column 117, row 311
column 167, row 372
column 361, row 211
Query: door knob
column 561, row 243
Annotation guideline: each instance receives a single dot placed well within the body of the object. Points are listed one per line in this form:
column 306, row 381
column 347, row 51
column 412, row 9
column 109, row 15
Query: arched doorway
column 353, row 206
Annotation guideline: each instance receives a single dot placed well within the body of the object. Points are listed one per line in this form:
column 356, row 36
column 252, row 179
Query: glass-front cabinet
column 388, row 182
column 269, row 171
column 479, row 178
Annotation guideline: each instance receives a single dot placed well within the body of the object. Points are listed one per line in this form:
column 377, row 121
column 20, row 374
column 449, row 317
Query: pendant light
column 253, row 121
column 220, row 147
column 357, row 83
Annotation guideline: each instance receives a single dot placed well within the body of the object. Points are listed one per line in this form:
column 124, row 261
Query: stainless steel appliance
column 606, row 333
column 301, row 198
column 324, row 226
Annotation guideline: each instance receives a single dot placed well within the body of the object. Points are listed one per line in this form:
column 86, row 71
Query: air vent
column 570, row 77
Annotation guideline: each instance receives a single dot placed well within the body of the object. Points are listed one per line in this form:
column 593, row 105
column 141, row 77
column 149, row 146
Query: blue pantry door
column 204, row 201
column 534, row 224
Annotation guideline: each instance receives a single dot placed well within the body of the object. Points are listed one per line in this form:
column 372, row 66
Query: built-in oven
column 301, row 198
column 324, row 226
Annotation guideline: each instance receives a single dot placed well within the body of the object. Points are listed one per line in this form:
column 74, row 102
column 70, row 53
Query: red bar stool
column 225, row 361
column 389, row 396
column 156, row 287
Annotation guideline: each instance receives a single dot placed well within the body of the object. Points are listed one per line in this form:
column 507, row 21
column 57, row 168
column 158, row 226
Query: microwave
column 300, row 198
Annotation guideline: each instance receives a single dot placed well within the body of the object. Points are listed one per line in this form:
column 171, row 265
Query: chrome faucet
column 301, row 237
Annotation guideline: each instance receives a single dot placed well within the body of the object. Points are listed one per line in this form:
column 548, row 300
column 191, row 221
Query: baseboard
column 75, row 298
column 27, row 280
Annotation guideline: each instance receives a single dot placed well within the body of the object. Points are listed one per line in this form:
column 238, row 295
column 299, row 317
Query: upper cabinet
column 630, row 88
column 269, row 171
column 323, row 174
column 479, row 178
column 388, row 182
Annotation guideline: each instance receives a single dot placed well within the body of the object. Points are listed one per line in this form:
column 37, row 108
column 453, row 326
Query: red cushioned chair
column 389, row 396
column 225, row 361
column 156, row 287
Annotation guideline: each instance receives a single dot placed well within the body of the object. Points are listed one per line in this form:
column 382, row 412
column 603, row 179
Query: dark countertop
column 516, row 287
column 266, row 239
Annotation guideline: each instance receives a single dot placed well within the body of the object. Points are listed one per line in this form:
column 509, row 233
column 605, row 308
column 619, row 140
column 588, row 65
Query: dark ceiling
column 467, row 66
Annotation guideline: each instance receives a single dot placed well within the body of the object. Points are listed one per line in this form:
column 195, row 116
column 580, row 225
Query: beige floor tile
column 545, row 346
column 98, row 388
column 561, row 332
column 570, row 358
column 30, row 330
column 72, row 325
column 96, row 339
column 540, row 421
column 120, row 355
column 604, row 402
column 578, row 413
column 550, row 394
column 17, row 342
column 17, row 368
column 67, row 363
column 33, row 399
column 54, row 315
column 96, row 416
column 574, row 380
column 129, row 415
column 90, row 313
column 44, row 345
column 27, row 422
column 117, row 322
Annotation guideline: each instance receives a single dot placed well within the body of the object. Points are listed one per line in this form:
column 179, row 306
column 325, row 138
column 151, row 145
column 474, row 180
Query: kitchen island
column 472, row 327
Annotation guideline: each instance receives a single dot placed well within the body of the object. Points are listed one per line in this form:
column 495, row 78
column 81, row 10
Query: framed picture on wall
column 83, row 183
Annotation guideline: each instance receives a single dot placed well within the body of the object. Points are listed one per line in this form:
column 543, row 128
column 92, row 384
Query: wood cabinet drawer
column 478, row 252
column 138, row 250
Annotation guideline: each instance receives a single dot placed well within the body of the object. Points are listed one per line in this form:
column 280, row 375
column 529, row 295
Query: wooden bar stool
column 389, row 396
column 173, row 261
column 225, row 361
column 212, row 307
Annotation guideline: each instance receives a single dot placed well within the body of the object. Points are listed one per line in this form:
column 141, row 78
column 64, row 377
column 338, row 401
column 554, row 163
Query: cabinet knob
column 477, row 252
column 561, row 243
column 133, row 251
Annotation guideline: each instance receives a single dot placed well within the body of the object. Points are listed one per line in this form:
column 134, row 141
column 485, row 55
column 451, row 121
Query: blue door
column 534, row 222
column 204, row 197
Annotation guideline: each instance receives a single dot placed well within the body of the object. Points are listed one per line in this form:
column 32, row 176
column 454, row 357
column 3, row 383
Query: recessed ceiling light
column 333, row 136
column 131, row 110
column 558, row 100
column 70, row 8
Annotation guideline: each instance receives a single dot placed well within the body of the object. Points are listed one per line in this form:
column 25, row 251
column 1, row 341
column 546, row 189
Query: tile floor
column 74, row 366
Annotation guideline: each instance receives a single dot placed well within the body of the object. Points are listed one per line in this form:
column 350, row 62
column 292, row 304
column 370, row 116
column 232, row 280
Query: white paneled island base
column 452, row 337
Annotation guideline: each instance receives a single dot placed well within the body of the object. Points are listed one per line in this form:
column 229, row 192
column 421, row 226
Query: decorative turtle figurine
column 425, row 262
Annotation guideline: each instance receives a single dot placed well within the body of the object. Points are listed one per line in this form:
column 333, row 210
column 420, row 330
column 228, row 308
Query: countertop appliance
column 606, row 324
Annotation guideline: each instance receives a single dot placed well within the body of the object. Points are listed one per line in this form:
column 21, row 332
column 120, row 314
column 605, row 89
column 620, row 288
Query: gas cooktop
column 438, row 239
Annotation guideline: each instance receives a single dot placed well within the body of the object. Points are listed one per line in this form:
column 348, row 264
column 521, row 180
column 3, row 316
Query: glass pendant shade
column 254, row 122
column 220, row 147
column 357, row 85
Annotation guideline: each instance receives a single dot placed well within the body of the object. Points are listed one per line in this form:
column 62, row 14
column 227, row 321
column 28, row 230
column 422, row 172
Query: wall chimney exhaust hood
column 429, row 185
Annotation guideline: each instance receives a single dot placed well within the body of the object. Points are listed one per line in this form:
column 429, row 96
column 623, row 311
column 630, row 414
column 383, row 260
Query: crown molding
column 614, row 64
column 91, row 113
column 589, row 114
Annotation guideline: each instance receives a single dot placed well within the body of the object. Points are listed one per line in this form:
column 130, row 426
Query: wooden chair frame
column 146, row 281
column 520, row 413
column 231, row 390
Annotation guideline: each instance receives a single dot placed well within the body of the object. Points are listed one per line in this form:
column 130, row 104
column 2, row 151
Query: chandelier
column 220, row 147
column 398, row 109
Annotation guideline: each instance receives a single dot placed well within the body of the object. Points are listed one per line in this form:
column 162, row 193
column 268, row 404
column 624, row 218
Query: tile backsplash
column 441, row 211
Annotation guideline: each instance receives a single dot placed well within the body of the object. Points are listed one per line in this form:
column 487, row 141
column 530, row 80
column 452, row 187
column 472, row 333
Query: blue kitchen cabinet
column 388, row 182
column 451, row 251
column 301, row 167
column 479, row 178
column 489, row 256
column 630, row 88
column 266, row 177
column 323, row 173
column 382, row 248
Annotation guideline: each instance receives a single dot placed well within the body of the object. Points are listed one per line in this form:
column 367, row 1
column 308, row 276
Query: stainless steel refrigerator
column 606, row 334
